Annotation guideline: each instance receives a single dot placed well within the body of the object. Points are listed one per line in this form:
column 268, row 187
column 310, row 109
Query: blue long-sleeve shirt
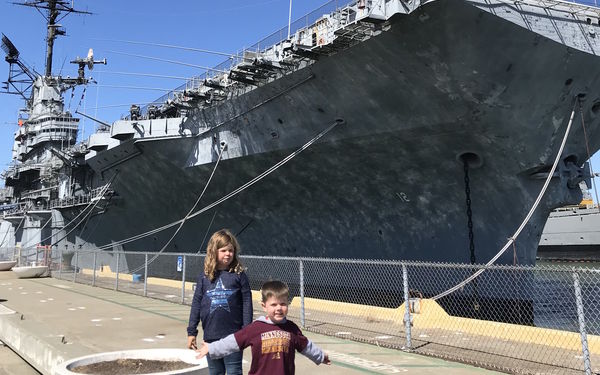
column 224, row 305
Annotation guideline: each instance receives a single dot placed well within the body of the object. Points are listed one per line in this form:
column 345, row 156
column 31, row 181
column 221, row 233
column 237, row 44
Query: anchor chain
column 470, row 226
column 469, row 211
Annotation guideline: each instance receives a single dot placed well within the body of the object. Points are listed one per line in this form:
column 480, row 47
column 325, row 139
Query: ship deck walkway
column 47, row 321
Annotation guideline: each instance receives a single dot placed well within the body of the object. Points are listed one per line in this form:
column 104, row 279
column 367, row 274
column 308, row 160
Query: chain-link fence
column 518, row 319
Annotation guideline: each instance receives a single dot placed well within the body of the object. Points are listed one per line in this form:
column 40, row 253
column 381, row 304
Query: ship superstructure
column 409, row 130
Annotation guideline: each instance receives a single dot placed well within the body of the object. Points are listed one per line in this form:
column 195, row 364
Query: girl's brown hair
column 218, row 240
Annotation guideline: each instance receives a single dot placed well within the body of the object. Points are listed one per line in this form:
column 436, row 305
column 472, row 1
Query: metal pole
column 94, row 272
column 76, row 263
column 146, row 275
column 289, row 20
column 183, row 282
column 117, row 278
column 407, row 322
column 60, row 260
column 580, row 315
column 301, row 269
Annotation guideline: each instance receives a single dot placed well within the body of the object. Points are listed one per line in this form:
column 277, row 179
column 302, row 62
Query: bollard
column 301, row 269
column 580, row 316
column 407, row 323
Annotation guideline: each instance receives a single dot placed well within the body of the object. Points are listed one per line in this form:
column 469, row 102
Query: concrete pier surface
column 48, row 321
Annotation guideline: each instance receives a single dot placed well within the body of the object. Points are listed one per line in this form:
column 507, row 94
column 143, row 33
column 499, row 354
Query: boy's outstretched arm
column 203, row 351
column 315, row 354
column 219, row 349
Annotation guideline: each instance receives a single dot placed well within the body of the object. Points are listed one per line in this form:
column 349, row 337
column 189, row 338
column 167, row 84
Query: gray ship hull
column 444, row 80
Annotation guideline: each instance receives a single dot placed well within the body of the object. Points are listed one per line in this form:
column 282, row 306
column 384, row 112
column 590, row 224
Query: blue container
column 136, row 278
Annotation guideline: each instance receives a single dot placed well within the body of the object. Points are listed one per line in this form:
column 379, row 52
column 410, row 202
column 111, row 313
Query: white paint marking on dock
column 43, row 301
column 365, row 363
column 50, row 299
column 343, row 333
column 38, row 292
column 148, row 340
column 116, row 318
column 170, row 296
column 20, row 287
column 24, row 293
column 384, row 337
column 62, row 286
column 95, row 320
column 160, row 336
column 423, row 335
column 71, row 309
column 81, row 307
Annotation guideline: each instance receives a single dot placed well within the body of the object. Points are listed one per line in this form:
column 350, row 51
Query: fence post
column 60, row 262
column 94, row 271
column 580, row 316
column 407, row 322
column 146, row 275
column 183, row 282
column 117, row 278
column 301, row 269
column 76, row 264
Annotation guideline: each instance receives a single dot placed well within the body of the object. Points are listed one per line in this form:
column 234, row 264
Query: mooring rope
column 102, row 192
column 223, row 146
column 233, row 193
column 523, row 223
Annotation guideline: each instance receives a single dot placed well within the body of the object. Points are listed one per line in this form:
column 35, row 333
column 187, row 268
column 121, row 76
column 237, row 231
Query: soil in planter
column 129, row 366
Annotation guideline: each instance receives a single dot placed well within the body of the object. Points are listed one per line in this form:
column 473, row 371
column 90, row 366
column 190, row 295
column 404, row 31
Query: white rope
column 525, row 221
column 75, row 218
column 102, row 192
column 233, row 193
column 223, row 145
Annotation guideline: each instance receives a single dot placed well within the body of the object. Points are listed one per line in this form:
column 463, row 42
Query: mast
column 53, row 31
column 54, row 9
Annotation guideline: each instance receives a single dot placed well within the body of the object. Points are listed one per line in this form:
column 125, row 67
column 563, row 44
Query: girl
column 222, row 300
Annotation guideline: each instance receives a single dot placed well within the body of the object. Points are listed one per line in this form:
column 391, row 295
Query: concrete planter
column 185, row 355
column 6, row 265
column 30, row 271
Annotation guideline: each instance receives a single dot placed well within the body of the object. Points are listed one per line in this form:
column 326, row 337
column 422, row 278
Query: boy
column 273, row 338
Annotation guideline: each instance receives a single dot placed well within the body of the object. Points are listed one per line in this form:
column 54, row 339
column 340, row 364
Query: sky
column 223, row 26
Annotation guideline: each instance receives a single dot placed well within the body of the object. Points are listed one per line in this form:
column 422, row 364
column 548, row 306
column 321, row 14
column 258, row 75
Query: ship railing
column 304, row 22
column 516, row 319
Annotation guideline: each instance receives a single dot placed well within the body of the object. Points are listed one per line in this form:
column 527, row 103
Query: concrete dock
column 47, row 321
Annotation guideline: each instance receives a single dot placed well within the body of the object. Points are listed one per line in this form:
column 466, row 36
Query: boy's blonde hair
column 218, row 240
column 275, row 288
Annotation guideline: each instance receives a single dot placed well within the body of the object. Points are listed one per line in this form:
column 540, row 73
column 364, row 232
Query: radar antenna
column 89, row 62
column 56, row 10
column 20, row 76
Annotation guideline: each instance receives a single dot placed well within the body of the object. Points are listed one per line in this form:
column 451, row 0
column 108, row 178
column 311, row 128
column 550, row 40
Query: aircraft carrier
column 385, row 129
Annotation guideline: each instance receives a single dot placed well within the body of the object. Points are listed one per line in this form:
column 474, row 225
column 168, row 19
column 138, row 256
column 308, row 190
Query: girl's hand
column 191, row 343
column 326, row 359
column 203, row 351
